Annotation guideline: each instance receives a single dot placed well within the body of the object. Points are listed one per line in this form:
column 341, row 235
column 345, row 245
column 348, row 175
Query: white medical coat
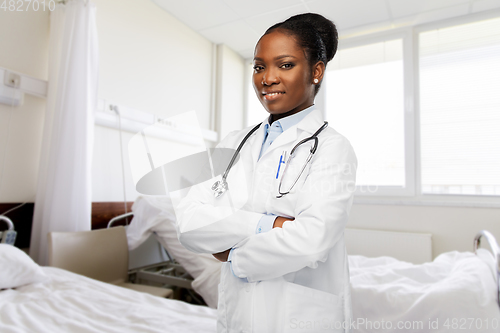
column 298, row 275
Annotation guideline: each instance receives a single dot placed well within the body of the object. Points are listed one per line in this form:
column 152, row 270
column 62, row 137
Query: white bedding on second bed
column 67, row 302
column 454, row 293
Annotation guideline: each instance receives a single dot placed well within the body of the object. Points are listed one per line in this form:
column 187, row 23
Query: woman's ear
column 318, row 72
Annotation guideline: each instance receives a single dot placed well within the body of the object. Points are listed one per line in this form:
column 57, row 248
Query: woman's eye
column 287, row 66
column 257, row 68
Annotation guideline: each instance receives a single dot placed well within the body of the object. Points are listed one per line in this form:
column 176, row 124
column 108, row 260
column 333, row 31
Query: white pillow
column 17, row 268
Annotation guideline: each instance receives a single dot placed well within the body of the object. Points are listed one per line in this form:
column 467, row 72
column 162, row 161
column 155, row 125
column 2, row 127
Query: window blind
column 460, row 109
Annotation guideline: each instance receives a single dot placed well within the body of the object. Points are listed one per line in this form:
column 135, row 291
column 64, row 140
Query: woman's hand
column 278, row 223
column 222, row 256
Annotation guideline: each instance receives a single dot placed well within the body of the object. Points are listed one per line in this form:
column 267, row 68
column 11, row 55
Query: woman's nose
column 270, row 77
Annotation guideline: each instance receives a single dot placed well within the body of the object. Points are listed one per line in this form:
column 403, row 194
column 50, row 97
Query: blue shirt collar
column 289, row 121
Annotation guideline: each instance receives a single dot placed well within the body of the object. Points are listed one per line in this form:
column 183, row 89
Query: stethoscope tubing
column 312, row 152
column 230, row 165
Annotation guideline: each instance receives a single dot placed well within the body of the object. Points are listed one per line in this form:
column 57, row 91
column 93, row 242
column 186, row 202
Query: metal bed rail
column 8, row 221
column 118, row 218
column 169, row 273
column 495, row 249
column 8, row 236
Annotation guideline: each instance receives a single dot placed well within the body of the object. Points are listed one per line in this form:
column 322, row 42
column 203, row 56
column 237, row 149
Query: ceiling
column 240, row 23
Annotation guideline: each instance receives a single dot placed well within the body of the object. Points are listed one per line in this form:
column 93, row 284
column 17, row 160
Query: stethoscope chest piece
column 219, row 187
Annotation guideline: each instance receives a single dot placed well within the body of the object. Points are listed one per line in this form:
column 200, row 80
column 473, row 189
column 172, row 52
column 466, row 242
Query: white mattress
column 456, row 292
column 455, row 289
column 68, row 302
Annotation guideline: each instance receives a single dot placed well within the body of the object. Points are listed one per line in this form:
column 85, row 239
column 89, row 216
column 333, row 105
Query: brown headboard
column 102, row 212
column 22, row 217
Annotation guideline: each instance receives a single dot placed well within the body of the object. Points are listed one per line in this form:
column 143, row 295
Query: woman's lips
column 273, row 95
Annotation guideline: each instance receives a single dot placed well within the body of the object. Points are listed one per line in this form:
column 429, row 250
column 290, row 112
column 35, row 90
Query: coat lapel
column 312, row 122
column 256, row 142
column 309, row 124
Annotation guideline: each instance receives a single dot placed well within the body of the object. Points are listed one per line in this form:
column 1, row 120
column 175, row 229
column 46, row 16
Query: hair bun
column 325, row 28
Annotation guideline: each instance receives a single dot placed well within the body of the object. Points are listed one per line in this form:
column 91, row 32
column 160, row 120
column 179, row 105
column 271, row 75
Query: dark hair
column 316, row 34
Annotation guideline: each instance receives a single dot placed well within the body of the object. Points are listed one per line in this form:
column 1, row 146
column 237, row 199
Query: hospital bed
column 98, row 254
column 146, row 267
column 456, row 290
column 183, row 269
column 168, row 272
column 52, row 300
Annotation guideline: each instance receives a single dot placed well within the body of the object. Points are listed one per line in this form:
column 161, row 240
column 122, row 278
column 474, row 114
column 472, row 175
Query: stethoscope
column 221, row 186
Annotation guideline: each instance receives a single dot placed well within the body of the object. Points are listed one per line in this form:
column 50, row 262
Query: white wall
column 24, row 40
column 151, row 62
column 148, row 61
column 452, row 228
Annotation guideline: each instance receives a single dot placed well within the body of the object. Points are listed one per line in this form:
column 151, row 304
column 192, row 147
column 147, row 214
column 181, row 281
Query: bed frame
column 8, row 236
column 168, row 273
column 492, row 242
column 10, row 225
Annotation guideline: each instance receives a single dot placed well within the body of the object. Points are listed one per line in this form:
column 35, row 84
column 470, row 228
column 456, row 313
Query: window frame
column 406, row 35
column 412, row 194
column 446, row 199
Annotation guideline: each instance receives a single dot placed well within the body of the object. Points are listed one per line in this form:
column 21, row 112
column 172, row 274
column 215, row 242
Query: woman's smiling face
column 282, row 77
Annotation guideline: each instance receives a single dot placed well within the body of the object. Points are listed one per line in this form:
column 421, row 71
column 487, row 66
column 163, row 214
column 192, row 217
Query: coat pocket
column 311, row 310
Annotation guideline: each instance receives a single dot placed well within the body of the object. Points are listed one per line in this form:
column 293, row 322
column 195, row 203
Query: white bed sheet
column 67, row 302
column 454, row 293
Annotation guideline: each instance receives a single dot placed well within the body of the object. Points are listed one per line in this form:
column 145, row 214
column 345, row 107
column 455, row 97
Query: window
column 460, row 109
column 364, row 97
column 421, row 107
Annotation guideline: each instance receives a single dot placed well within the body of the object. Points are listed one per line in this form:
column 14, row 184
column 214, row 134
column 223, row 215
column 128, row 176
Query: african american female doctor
column 278, row 222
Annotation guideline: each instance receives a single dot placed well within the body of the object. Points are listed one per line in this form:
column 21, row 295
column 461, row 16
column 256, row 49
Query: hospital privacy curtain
column 63, row 197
